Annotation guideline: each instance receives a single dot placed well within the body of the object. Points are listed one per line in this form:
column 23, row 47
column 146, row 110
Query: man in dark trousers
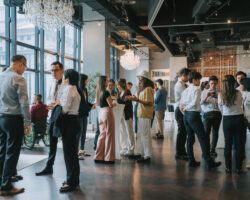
column 57, row 73
column 14, row 121
column 181, row 139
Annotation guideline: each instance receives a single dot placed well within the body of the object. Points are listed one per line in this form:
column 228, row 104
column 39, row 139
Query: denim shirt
column 13, row 94
column 160, row 102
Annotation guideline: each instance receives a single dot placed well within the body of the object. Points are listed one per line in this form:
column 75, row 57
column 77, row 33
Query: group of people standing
column 196, row 112
column 201, row 112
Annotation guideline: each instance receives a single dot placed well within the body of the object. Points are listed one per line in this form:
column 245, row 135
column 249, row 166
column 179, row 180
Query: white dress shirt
column 236, row 109
column 190, row 98
column 179, row 87
column 51, row 95
column 209, row 104
column 69, row 99
column 246, row 104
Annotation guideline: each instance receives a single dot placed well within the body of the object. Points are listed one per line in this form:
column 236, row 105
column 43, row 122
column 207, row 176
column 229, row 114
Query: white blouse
column 236, row 109
column 69, row 99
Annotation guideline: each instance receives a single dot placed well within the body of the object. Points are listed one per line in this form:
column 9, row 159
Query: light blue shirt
column 13, row 94
column 160, row 102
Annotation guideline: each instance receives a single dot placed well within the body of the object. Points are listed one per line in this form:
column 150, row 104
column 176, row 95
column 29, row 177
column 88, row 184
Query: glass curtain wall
column 40, row 47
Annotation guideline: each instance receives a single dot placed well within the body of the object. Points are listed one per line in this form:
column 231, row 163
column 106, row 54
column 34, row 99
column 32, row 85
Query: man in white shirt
column 240, row 75
column 190, row 106
column 212, row 115
column 180, row 86
column 57, row 73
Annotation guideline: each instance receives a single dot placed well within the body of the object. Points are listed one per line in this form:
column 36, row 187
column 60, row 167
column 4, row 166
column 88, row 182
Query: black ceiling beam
column 129, row 23
column 231, row 43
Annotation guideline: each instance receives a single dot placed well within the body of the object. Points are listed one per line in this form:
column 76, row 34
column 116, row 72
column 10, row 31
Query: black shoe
column 16, row 178
column 228, row 170
column 45, row 171
column 181, row 157
column 67, row 188
column 213, row 154
column 109, row 162
column 144, row 160
column 212, row 164
column 99, row 161
column 194, row 164
column 239, row 171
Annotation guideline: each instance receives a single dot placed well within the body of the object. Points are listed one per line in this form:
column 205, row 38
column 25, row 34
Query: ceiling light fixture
column 130, row 60
column 229, row 21
column 50, row 14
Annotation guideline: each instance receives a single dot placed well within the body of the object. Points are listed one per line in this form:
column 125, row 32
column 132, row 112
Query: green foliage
column 91, row 87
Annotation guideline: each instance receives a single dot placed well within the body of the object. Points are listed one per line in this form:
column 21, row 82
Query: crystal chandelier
column 130, row 60
column 49, row 14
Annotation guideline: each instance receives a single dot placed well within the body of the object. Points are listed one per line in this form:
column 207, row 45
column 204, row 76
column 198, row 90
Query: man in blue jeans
column 190, row 106
column 160, row 106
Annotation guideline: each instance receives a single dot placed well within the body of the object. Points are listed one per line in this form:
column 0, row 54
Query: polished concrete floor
column 163, row 178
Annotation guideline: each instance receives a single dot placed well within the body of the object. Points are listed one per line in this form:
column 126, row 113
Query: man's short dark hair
column 160, row 81
column 39, row 97
column 213, row 78
column 184, row 71
column 240, row 73
column 111, row 81
column 57, row 63
column 194, row 76
column 129, row 83
column 19, row 58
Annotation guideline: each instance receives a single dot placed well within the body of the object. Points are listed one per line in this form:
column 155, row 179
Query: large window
column 69, row 40
column 47, row 83
column 25, row 30
column 30, row 77
column 40, row 47
column 50, row 40
column 2, row 18
column 68, row 64
column 29, row 54
column 48, row 59
column 2, row 52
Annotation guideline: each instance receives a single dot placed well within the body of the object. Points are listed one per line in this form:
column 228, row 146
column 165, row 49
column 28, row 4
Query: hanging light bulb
column 130, row 60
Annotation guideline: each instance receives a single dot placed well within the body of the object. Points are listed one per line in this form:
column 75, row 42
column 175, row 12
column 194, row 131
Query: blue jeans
column 194, row 125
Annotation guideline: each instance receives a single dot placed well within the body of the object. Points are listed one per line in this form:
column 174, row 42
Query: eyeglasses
column 54, row 70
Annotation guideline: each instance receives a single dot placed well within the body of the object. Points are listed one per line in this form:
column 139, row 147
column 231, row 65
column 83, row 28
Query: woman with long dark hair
column 69, row 98
column 105, row 150
column 230, row 102
column 85, row 108
column 127, row 139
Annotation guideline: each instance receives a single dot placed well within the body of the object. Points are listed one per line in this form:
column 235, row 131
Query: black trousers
column 181, row 134
column 194, row 125
column 11, row 136
column 234, row 130
column 71, row 127
column 83, row 131
column 97, row 133
column 211, row 121
column 52, row 147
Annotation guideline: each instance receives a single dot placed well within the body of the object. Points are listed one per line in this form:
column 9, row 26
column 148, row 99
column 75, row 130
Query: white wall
column 175, row 64
column 159, row 60
column 94, row 42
